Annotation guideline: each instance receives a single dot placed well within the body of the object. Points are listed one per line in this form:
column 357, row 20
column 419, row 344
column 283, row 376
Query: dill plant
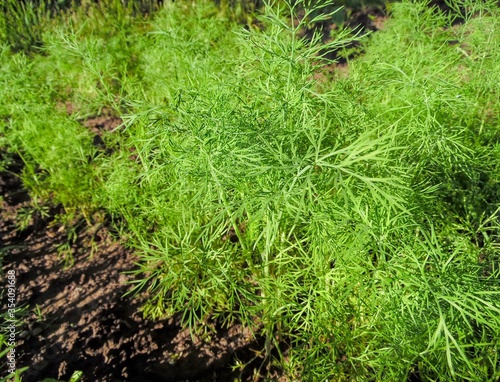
column 54, row 148
column 350, row 239
column 443, row 282
column 258, row 151
column 82, row 61
column 353, row 221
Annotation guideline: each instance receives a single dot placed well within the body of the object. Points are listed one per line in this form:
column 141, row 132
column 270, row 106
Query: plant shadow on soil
column 84, row 322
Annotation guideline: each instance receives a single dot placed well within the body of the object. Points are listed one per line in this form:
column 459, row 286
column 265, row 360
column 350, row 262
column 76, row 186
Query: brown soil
column 78, row 317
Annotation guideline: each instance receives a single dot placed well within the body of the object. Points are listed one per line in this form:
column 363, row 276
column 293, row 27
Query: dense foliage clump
column 351, row 220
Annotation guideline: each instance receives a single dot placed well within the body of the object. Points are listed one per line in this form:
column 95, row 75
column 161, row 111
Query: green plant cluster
column 351, row 220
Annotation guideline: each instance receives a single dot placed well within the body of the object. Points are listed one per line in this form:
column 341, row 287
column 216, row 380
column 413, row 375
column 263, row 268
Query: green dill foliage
column 79, row 70
column 334, row 219
column 53, row 147
column 352, row 222
column 22, row 23
column 430, row 81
